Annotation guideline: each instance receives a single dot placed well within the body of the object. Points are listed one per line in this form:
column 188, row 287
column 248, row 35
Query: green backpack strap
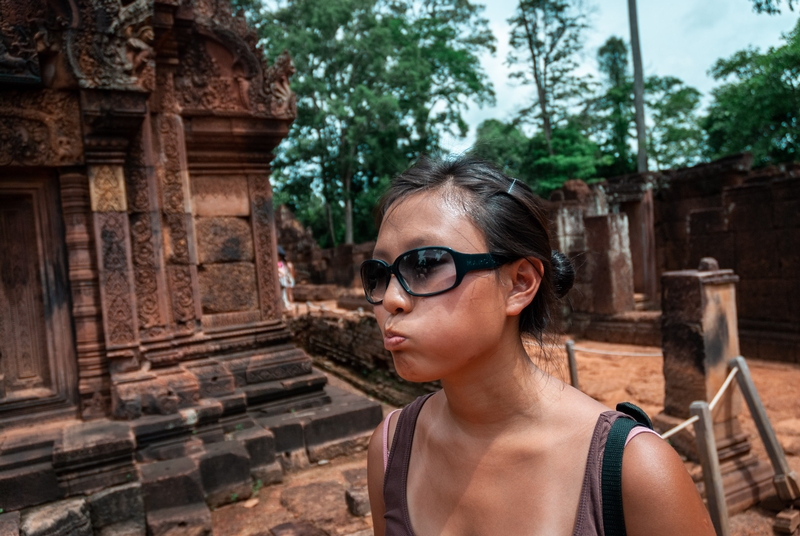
column 611, row 483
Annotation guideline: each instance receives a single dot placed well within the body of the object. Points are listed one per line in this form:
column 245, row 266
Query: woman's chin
column 411, row 373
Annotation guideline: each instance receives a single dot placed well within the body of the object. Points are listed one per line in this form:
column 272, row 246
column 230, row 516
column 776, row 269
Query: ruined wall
column 756, row 232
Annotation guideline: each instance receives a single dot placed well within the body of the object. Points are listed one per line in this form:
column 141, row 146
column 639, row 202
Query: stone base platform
column 160, row 474
column 633, row 327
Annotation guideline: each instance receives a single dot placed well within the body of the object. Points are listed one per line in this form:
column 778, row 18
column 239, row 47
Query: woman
column 462, row 269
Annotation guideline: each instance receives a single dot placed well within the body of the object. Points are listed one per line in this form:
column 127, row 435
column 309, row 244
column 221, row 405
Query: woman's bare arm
column 658, row 495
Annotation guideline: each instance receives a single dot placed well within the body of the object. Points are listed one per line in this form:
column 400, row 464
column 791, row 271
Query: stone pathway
column 313, row 502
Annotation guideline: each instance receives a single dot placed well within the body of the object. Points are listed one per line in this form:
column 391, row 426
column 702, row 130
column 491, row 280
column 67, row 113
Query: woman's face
column 433, row 337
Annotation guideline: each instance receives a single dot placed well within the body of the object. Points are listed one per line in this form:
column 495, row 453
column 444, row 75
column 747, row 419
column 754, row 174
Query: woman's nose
column 396, row 299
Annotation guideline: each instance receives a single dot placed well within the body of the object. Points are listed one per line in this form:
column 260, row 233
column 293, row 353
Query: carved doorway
column 37, row 363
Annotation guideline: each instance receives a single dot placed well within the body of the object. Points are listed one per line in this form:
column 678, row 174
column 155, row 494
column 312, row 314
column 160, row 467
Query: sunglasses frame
column 463, row 262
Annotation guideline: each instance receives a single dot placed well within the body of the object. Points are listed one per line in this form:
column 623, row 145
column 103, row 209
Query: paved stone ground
column 312, row 502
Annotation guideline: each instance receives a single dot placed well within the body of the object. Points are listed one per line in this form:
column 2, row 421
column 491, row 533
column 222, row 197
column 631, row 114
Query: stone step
column 171, row 484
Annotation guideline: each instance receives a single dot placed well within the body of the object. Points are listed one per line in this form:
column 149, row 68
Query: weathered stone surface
column 608, row 244
column 260, row 444
column 357, row 501
column 297, row 529
column 189, row 520
column 29, row 485
column 220, row 196
column 228, row 287
column 151, row 394
column 213, row 378
column 267, row 474
column 225, row 473
column 118, row 510
column 70, row 517
column 9, row 524
column 224, row 240
column 171, row 484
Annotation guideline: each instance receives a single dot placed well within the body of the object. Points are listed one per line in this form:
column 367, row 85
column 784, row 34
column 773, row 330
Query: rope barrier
column 691, row 420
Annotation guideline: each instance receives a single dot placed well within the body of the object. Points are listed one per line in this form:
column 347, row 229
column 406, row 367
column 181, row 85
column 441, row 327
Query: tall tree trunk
column 540, row 86
column 638, row 88
column 329, row 214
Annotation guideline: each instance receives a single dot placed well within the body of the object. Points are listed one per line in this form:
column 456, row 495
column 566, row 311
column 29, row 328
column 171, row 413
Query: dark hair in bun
column 512, row 218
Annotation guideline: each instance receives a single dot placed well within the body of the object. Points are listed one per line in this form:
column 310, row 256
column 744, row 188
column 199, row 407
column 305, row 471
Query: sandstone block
column 55, row 519
column 9, row 524
column 213, row 378
column 224, row 240
column 297, row 529
column 271, row 473
column 228, row 287
column 188, row 520
column 28, row 486
column 118, row 510
column 357, row 501
column 220, row 196
column 225, row 473
column 260, row 444
column 171, row 484
column 750, row 207
column 759, row 260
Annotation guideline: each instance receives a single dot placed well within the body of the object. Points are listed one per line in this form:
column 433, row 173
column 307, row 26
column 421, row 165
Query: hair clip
column 511, row 187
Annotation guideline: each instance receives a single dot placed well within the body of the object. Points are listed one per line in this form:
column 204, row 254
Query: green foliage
column 546, row 38
column 574, row 155
column 772, row 7
column 675, row 138
column 378, row 82
column 757, row 108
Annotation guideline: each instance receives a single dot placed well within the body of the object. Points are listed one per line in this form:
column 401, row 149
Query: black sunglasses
column 424, row 271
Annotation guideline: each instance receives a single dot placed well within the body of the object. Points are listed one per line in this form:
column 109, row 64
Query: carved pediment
column 20, row 24
column 223, row 70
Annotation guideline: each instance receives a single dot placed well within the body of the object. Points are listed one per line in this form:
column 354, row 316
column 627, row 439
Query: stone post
column 610, row 264
column 699, row 336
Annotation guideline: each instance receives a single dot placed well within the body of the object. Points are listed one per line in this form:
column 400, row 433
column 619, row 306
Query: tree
column 614, row 108
column 757, row 108
column 377, row 83
column 675, row 137
column 638, row 89
column 545, row 40
column 772, row 7
column 529, row 159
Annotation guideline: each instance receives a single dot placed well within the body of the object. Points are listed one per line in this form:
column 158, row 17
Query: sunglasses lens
column 375, row 278
column 428, row 270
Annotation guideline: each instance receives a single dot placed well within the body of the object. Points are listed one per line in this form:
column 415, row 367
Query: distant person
column 286, row 275
column 462, row 269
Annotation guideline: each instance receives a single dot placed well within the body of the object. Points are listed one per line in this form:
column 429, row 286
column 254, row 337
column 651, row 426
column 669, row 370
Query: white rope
column 725, row 385
column 681, row 426
column 714, row 401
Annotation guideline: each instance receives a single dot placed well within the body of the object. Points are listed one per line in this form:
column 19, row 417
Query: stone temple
column 144, row 361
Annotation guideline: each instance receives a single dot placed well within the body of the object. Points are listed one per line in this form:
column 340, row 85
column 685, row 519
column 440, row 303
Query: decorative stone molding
column 37, row 128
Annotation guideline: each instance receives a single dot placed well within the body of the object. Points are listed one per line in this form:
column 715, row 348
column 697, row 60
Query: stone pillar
column 700, row 335
column 93, row 385
column 609, row 258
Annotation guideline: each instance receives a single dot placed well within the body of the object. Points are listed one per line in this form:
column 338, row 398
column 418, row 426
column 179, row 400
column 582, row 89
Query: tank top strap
column 396, row 474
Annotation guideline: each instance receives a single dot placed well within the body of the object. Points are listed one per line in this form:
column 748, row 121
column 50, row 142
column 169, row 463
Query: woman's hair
column 506, row 210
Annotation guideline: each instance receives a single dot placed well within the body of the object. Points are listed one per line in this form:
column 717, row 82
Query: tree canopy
column 378, row 83
column 757, row 108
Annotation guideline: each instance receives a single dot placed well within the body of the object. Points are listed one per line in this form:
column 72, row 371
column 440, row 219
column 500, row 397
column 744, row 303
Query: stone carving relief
column 20, row 30
column 119, row 54
column 223, row 69
column 262, row 218
column 114, row 278
column 107, row 189
column 38, row 129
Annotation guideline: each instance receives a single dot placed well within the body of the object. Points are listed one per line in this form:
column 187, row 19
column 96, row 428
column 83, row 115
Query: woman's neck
column 496, row 391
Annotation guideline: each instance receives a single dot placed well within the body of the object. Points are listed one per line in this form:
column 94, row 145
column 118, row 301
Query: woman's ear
column 526, row 276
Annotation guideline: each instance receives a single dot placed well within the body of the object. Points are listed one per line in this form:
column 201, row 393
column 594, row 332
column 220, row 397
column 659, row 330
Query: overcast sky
column 681, row 38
